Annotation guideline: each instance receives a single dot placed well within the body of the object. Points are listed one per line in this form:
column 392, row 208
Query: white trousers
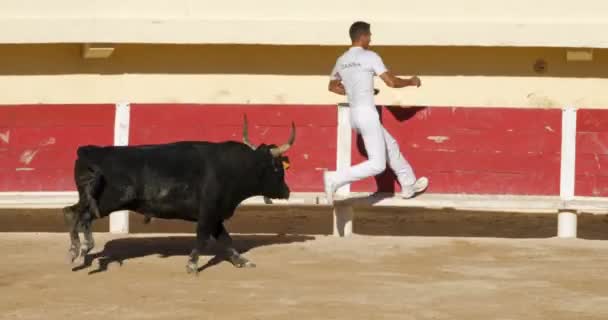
column 381, row 148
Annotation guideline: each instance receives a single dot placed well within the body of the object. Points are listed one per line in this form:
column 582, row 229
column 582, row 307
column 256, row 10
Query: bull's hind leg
column 79, row 216
column 88, row 243
column 71, row 216
column 91, row 185
column 223, row 237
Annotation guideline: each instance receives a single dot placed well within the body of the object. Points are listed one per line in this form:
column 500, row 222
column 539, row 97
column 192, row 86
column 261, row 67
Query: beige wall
column 338, row 9
column 452, row 76
column 396, row 22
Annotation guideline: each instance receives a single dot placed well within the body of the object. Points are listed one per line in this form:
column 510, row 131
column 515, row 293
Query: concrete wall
column 434, row 22
column 518, row 10
column 242, row 74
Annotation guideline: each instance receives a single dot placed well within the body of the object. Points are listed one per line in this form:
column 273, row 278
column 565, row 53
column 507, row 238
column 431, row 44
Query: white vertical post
column 119, row 221
column 344, row 143
column 343, row 220
column 566, row 224
column 566, row 221
column 343, row 214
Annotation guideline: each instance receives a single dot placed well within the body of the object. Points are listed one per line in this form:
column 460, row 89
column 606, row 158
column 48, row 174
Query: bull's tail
column 91, row 190
column 89, row 180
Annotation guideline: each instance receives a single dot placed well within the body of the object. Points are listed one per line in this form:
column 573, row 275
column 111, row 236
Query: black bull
column 201, row 182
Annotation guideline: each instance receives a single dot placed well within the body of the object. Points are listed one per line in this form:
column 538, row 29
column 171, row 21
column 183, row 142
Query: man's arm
column 388, row 77
column 335, row 82
column 336, row 87
column 396, row 82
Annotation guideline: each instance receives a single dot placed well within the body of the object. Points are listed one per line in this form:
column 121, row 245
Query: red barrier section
column 314, row 149
column 475, row 150
column 592, row 153
column 38, row 143
column 462, row 150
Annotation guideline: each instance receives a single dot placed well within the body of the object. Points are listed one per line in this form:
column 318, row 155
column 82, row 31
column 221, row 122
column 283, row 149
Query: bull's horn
column 246, row 134
column 283, row 148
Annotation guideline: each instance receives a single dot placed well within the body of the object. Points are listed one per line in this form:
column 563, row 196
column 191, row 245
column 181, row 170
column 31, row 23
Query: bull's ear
column 286, row 164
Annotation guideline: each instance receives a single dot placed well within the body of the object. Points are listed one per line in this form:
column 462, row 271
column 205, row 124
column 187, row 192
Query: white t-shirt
column 357, row 68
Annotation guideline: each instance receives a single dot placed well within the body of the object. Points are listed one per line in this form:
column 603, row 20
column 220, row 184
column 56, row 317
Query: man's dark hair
column 358, row 29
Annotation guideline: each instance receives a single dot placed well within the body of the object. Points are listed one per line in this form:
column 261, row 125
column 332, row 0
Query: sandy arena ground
column 437, row 268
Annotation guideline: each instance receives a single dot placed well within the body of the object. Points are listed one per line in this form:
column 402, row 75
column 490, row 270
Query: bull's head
column 273, row 164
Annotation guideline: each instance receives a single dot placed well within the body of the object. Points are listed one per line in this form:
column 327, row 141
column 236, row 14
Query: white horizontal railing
column 473, row 202
column 60, row 199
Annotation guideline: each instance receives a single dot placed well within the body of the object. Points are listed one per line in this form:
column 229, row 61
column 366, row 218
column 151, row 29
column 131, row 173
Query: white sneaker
column 330, row 187
column 419, row 186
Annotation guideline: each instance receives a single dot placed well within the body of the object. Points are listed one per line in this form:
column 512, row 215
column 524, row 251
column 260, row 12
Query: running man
column 353, row 76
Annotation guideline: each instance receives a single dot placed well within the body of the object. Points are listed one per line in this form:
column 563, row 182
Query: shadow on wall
column 53, row 59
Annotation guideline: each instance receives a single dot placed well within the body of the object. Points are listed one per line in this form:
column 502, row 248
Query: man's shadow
column 385, row 182
column 120, row 250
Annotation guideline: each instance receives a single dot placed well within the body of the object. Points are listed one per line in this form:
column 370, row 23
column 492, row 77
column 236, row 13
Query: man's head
column 360, row 34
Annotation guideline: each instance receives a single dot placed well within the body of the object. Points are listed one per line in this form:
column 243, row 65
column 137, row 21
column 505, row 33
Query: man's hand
column 416, row 81
column 336, row 87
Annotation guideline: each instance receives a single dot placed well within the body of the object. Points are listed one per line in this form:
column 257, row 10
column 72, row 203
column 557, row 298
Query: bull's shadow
column 120, row 250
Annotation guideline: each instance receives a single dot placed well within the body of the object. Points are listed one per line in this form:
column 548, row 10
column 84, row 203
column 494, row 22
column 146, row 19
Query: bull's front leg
column 203, row 235
column 223, row 237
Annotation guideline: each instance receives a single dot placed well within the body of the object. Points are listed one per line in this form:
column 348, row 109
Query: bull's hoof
column 241, row 262
column 84, row 252
column 72, row 255
column 192, row 268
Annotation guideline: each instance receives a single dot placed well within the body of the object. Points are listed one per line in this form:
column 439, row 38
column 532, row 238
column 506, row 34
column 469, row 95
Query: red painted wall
column 485, row 151
column 316, row 127
column 592, row 153
column 38, row 143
